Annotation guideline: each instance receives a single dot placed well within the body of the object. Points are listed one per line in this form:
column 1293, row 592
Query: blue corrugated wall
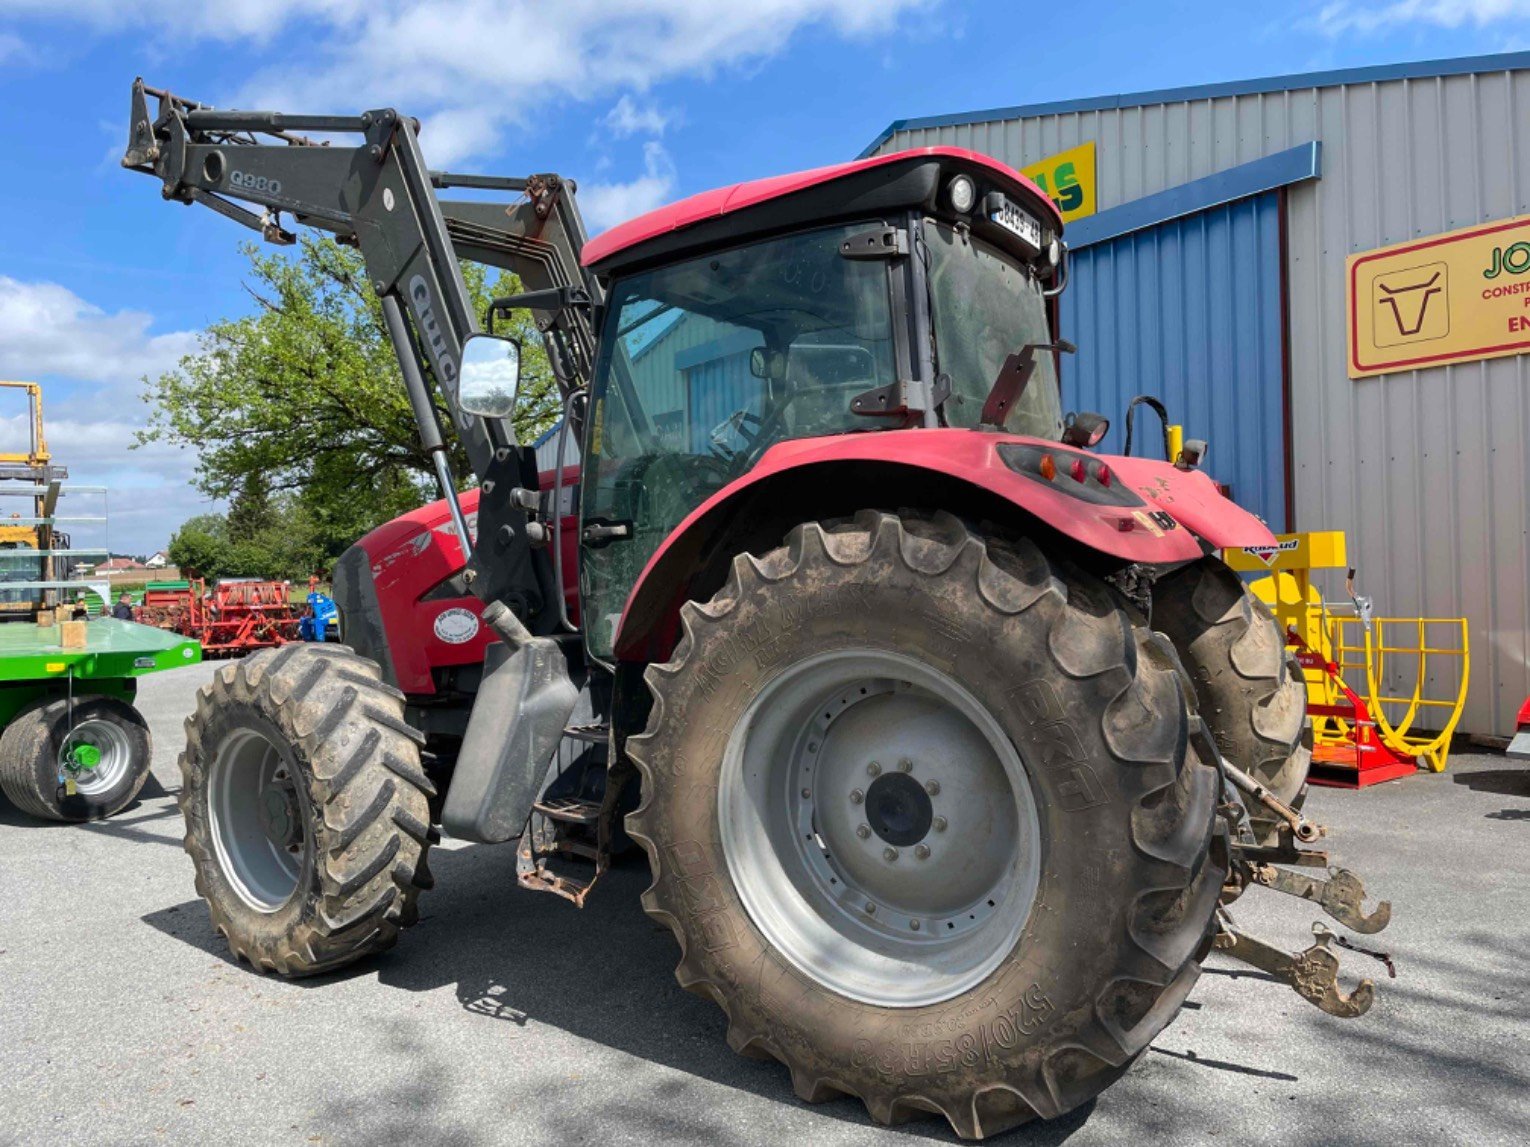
column 718, row 389
column 1189, row 312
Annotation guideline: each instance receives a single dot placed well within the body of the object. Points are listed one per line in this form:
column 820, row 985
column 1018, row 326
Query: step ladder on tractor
column 1384, row 693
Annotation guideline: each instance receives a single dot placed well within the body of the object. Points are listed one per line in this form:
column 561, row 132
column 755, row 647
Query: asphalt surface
column 511, row 1017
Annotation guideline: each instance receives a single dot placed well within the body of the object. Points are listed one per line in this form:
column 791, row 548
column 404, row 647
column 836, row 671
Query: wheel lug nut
column 806, row 793
column 914, row 924
column 873, row 769
column 889, row 854
column 921, row 851
column 932, row 787
column 856, row 796
column 939, row 824
column 905, row 765
column 863, row 831
column 871, row 909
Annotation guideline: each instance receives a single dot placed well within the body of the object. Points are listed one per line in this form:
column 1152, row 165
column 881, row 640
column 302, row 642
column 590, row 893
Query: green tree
column 303, row 398
column 200, row 546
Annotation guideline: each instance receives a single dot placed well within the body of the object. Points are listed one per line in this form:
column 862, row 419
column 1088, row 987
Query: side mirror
column 490, row 375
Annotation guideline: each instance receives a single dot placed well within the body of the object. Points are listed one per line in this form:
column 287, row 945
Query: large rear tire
column 923, row 812
column 1248, row 687
column 307, row 811
column 102, row 743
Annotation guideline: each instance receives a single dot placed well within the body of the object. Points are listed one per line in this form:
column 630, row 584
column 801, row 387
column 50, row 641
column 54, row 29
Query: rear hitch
column 1342, row 895
column 1313, row 974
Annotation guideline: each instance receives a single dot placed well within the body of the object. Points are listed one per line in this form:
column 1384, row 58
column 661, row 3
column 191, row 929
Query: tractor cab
column 884, row 294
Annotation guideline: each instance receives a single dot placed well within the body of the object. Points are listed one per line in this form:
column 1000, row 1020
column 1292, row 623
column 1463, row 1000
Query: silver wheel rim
column 879, row 827
column 115, row 762
column 258, row 819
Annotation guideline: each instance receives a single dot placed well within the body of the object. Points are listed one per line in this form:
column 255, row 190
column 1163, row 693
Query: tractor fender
column 1142, row 512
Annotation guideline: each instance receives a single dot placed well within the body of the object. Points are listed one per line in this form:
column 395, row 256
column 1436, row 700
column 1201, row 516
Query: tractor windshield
column 704, row 365
column 986, row 306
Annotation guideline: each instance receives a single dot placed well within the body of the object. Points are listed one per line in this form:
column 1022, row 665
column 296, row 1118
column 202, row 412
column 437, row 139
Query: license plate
column 1015, row 219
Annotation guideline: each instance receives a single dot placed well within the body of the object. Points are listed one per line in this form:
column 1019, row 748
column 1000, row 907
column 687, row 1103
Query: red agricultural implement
column 232, row 618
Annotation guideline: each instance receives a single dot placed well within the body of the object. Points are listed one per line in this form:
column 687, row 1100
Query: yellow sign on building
column 1068, row 180
column 1455, row 297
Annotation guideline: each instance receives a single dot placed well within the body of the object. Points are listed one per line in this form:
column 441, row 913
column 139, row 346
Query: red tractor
column 947, row 738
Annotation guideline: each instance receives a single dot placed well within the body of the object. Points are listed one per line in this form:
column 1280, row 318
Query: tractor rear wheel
column 922, row 812
column 101, row 743
column 307, row 812
column 1248, row 687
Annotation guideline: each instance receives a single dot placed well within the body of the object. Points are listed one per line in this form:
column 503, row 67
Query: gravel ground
column 509, row 1017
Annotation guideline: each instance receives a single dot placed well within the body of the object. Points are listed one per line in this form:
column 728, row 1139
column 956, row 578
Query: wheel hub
column 898, row 809
column 97, row 755
column 279, row 815
column 879, row 827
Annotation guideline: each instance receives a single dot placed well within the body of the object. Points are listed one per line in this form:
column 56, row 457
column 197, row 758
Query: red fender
column 1143, row 511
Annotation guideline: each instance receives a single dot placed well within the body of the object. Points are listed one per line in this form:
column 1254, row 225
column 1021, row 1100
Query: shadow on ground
column 152, row 791
column 604, row 973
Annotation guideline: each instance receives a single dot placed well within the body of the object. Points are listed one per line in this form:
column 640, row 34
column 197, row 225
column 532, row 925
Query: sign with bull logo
column 1454, row 297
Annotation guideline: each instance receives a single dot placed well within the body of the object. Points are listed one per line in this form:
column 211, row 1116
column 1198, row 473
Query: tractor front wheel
column 307, row 812
column 1250, row 691
column 922, row 810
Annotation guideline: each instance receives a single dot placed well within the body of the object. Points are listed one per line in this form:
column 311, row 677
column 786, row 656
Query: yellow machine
column 35, row 556
column 1385, row 693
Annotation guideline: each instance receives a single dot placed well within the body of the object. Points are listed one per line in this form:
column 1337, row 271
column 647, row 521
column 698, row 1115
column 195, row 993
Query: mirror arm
column 548, row 299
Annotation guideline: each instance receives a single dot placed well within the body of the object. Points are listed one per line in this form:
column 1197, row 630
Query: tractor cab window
column 986, row 306
column 705, row 365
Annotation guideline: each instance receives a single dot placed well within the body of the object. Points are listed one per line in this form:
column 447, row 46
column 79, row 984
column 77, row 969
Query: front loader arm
column 379, row 196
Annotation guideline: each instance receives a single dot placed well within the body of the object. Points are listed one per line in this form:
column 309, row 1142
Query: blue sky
column 642, row 101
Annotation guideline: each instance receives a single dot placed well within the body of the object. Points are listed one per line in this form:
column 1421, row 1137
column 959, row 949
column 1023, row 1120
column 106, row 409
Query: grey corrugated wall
column 1426, row 471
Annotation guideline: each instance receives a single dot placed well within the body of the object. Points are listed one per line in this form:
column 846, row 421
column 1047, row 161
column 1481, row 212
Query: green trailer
column 74, row 748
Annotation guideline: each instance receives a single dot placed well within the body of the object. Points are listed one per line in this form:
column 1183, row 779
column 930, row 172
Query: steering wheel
column 769, row 429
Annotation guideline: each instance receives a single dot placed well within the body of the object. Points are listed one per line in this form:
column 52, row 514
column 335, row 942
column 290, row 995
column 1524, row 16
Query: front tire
column 1073, row 882
column 1249, row 688
column 307, row 811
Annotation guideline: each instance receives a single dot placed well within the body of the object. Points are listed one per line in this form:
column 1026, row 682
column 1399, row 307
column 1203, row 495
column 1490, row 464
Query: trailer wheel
column 1250, row 691
column 307, row 811
column 923, row 813
column 101, row 742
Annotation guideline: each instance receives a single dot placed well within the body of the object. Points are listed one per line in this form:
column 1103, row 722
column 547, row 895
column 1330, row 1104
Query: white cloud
column 149, row 492
column 46, row 329
column 628, row 118
column 1344, row 16
column 604, row 204
column 497, row 59
column 10, row 46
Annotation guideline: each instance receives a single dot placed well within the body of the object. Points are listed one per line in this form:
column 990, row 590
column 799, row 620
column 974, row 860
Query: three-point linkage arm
column 380, row 196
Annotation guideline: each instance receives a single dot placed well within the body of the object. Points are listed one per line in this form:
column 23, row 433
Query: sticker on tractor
column 457, row 626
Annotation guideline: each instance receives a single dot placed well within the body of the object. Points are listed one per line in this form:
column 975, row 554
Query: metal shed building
column 1212, row 273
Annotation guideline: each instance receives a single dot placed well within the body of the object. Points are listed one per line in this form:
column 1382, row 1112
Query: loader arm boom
column 379, row 196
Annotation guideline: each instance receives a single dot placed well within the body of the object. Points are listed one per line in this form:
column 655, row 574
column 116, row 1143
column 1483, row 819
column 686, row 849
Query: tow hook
column 1313, row 973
